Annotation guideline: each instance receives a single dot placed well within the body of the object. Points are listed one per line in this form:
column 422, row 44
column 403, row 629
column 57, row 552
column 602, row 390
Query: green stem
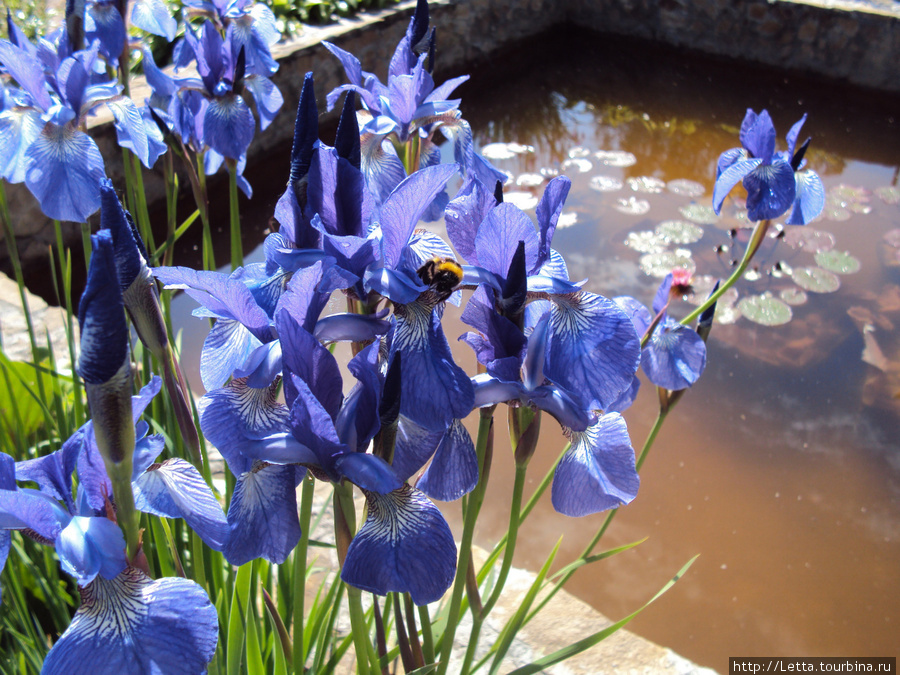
column 359, row 629
column 755, row 241
column 300, row 555
column 473, row 506
column 200, row 196
column 237, row 252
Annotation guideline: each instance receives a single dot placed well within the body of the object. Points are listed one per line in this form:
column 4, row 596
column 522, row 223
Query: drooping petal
column 809, row 199
column 730, row 177
column 64, row 169
column 104, row 23
column 262, row 515
column 134, row 624
column 19, row 127
column 675, row 356
column 434, row 389
column 29, row 509
column 770, row 190
column 27, row 70
column 593, row 348
column 227, row 347
column 267, row 96
column 228, row 126
column 597, row 472
column 153, row 16
column 413, row 447
column 412, row 543
column 175, row 489
column 548, row 211
column 454, row 470
column 305, row 357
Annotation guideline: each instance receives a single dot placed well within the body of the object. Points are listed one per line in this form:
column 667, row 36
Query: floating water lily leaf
column 549, row 172
column 505, row 150
column 685, row 187
column 632, row 206
column 615, row 158
column 529, row 180
column 889, row 194
column 892, row 237
column 577, row 165
column 843, row 200
column 699, row 213
column 660, row 264
column 605, row 184
column 839, row 262
column 808, row 239
column 579, row 152
column 566, row 220
column 816, row 280
column 524, row 200
column 765, row 310
column 702, row 286
column 646, row 242
column 794, row 296
column 679, row 231
column 727, row 314
column 647, row 184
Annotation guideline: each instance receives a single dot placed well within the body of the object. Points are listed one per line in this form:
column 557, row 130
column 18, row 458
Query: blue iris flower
column 409, row 105
column 43, row 143
column 773, row 180
column 103, row 637
column 675, row 355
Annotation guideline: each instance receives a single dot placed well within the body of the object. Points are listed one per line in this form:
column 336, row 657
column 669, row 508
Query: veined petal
column 809, row 199
column 730, row 177
column 758, row 135
column 382, row 167
column 593, row 348
column 52, row 473
column 770, row 190
column 434, row 390
column 414, row 446
column 89, row 546
column 675, row 356
column 368, row 472
column 464, row 215
column 499, row 236
column 305, row 357
column 345, row 326
column 153, row 16
column 226, row 348
column 262, row 515
column 103, row 22
column 133, row 624
column 29, row 509
column 412, row 543
column 175, row 489
column 27, row 71
column 267, row 96
column 19, row 128
column 228, row 126
column 453, row 471
column 548, row 211
column 64, row 169
column 597, row 472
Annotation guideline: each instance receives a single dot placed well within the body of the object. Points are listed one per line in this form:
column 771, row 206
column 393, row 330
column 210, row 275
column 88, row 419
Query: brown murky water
column 781, row 468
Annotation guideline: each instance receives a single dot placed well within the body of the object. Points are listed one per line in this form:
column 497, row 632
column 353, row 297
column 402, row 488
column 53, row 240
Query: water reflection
column 782, row 467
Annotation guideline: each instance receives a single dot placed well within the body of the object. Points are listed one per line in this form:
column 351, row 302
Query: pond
column 781, row 468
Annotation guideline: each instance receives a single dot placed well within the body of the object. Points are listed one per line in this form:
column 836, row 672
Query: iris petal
column 89, row 546
column 675, row 356
column 454, row 470
column 411, row 542
column 133, row 624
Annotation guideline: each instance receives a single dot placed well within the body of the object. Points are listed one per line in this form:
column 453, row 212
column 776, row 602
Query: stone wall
column 830, row 38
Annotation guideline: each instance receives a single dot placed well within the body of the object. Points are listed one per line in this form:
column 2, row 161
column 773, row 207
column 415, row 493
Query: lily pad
column 701, row 287
column 679, row 231
column 646, row 242
column 839, row 262
column 524, row 200
column 843, row 200
column 529, row 180
column 632, row 206
column 889, row 194
column 579, row 152
column 892, row 238
column 505, row 150
column 686, row 187
column 605, row 184
column 549, row 172
column 615, row 158
column 808, row 239
column 765, row 310
column 699, row 213
column 816, row 280
column 660, row 264
column 794, row 296
column 577, row 165
column 647, row 184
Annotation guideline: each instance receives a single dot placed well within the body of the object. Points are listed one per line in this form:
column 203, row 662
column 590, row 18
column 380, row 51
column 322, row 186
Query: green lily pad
column 524, row 200
column 808, row 239
column 632, row 206
column 679, row 231
column 579, row 152
column 794, row 296
column 660, row 264
column 645, row 242
column 529, row 180
column 567, row 220
column 889, row 194
column 685, row 187
column 605, row 184
column 839, row 262
column 647, row 184
column 615, row 158
column 576, row 165
column 816, row 280
column 765, row 310
column 699, row 213
column 892, row 237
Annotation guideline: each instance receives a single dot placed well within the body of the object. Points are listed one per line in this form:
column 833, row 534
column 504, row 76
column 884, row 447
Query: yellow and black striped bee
column 441, row 274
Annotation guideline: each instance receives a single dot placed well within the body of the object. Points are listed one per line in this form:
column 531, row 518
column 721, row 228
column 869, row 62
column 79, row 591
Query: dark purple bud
column 515, row 288
column 798, row 156
column 498, row 192
column 306, row 130
column 347, row 140
column 418, row 26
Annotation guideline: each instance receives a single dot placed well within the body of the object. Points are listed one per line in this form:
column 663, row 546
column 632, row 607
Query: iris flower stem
column 300, row 554
column 171, row 181
column 126, row 514
column 200, row 196
column 427, row 637
column 473, row 506
column 510, row 549
column 755, row 241
column 237, row 251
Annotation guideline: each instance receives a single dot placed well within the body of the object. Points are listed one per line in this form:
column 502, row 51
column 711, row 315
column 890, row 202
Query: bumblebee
column 441, row 274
